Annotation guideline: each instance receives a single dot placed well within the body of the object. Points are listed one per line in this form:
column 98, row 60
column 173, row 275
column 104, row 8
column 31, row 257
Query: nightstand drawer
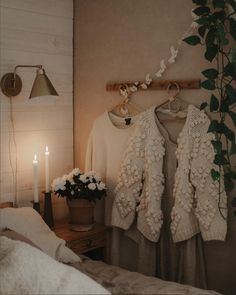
column 92, row 242
column 87, row 244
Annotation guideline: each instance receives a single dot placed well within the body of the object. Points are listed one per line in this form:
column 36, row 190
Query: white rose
column 65, row 177
column 62, row 187
column 97, row 177
column 83, row 178
column 71, row 178
column 101, row 186
column 58, row 184
column 54, row 183
column 92, row 186
column 75, row 171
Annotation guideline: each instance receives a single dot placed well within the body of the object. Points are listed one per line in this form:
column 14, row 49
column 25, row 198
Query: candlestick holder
column 48, row 214
column 36, row 206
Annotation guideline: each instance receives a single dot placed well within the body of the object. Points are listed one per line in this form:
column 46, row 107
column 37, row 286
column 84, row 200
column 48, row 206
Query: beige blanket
column 120, row 281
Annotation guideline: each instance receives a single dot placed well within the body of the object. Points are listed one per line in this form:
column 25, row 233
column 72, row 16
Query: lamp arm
column 24, row 66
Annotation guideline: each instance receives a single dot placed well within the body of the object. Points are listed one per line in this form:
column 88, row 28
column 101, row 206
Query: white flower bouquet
column 79, row 185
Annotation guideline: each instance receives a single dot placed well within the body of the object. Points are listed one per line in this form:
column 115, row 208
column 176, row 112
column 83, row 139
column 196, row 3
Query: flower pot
column 81, row 214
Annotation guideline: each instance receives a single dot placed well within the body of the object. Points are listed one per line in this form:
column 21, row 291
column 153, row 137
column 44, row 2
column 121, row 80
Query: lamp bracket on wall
column 7, row 82
column 11, row 83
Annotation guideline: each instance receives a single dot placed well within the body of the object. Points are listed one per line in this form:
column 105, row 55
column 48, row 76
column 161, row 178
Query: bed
column 121, row 281
column 56, row 270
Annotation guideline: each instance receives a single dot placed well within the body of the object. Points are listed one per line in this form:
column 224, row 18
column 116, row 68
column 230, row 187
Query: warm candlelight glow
column 35, row 179
column 47, row 185
column 46, row 151
column 35, row 161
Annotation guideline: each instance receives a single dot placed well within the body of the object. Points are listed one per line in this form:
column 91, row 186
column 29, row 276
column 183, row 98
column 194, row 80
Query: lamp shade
column 42, row 85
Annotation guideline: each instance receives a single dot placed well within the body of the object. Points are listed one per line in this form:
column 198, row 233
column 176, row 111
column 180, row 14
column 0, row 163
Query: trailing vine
column 217, row 32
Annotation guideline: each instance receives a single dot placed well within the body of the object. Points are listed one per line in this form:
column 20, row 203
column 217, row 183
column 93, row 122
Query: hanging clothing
column 181, row 262
column 107, row 142
column 106, row 145
column 196, row 195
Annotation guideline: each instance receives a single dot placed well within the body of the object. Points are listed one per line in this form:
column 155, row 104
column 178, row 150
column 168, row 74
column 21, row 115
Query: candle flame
column 35, row 157
column 46, row 148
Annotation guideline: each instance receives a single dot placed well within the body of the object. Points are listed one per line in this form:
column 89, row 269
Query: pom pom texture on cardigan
column 141, row 182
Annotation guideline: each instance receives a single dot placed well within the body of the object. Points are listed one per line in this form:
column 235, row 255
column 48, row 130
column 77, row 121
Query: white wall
column 36, row 32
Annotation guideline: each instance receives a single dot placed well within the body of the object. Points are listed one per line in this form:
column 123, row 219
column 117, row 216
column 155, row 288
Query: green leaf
column 233, row 148
column 232, row 174
column 231, row 92
column 218, row 3
column 203, row 105
column 215, row 174
column 214, row 103
column 221, row 34
column 200, row 2
column 232, row 25
column 229, row 184
column 218, row 15
column 223, row 129
column 214, row 125
column 210, row 73
column 228, row 133
column 224, row 106
column 201, row 10
column 232, row 22
column 202, row 31
column 211, row 52
column 210, row 37
column 192, row 40
column 233, row 59
column 203, row 21
column 233, row 116
column 217, row 146
column 220, row 160
column 208, row 84
column 229, row 70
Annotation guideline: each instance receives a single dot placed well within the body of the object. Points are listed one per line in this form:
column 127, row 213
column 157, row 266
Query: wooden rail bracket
column 158, row 85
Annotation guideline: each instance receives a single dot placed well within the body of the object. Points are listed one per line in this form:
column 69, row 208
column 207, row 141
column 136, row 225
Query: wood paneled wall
column 36, row 32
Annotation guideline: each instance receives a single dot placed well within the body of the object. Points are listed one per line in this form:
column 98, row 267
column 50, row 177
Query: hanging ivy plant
column 216, row 31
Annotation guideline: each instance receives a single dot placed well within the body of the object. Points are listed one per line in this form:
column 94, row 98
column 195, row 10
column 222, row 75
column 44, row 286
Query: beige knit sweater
column 140, row 182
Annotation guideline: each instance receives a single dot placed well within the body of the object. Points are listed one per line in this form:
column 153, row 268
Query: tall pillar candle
column 47, row 186
column 35, row 179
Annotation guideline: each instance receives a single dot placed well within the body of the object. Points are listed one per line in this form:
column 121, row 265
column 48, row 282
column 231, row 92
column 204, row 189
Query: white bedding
column 27, row 222
column 27, row 270
column 120, row 281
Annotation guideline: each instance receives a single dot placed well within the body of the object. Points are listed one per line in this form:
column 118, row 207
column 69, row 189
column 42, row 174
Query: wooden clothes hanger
column 125, row 108
column 176, row 107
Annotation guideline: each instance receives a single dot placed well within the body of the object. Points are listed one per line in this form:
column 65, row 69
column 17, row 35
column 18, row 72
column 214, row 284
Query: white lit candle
column 47, row 187
column 35, row 179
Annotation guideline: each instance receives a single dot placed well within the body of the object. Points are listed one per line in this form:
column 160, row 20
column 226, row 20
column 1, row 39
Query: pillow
column 27, row 270
column 11, row 234
column 27, row 222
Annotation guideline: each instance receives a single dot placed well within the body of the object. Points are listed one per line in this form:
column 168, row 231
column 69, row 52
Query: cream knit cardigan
column 141, row 182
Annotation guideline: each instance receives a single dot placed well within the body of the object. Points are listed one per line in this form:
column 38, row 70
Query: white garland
column 127, row 91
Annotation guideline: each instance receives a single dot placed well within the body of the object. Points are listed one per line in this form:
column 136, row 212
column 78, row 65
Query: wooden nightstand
column 92, row 243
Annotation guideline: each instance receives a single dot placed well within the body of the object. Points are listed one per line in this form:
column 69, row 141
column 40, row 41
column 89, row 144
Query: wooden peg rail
column 158, row 85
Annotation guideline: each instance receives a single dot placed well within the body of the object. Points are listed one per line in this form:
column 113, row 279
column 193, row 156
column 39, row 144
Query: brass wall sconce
column 11, row 83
